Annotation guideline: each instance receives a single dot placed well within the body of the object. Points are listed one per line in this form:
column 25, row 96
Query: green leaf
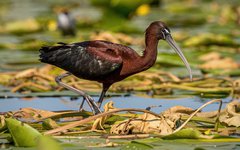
column 49, row 124
column 137, row 146
column 48, row 143
column 188, row 133
column 23, row 135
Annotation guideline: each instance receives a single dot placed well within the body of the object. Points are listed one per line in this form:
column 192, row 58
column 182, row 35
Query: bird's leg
column 81, row 106
column 104, row 90
column 90, row 101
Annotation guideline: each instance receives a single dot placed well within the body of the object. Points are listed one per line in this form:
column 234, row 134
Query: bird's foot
column 92, row 104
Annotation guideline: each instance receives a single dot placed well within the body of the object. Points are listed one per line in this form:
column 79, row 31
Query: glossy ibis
column 107, row 62
column 66, row 23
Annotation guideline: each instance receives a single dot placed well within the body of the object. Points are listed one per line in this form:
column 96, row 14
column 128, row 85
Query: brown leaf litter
column 167, row 122
column 158, row 82
column 214, row 60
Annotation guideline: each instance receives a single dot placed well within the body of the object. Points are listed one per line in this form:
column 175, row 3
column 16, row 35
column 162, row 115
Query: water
column 67, row 103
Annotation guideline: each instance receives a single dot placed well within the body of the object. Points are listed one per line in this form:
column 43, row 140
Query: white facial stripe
column 165, row 32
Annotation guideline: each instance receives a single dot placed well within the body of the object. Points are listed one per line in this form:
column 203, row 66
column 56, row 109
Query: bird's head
column 162, row 32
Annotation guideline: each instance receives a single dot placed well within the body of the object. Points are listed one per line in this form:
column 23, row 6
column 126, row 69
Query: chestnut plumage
column 108, row 62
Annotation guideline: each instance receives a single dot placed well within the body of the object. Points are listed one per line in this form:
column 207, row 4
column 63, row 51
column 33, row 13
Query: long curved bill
column 173, row 44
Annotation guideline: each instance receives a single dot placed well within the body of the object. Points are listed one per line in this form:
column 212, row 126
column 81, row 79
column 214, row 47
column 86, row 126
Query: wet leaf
column 23, row 135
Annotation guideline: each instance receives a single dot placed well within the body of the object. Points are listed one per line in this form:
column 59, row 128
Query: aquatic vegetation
column 207, row 31
column 164, row 126
column 42, row 80
column 21, row 27
column 210, row 39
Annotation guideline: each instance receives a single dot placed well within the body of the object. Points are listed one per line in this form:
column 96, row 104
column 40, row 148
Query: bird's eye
column 165, row 32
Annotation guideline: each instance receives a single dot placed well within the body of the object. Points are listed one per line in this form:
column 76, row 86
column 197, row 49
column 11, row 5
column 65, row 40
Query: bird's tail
column 49, row 54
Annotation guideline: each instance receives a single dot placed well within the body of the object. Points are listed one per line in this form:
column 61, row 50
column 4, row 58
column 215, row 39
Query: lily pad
column 136, row 146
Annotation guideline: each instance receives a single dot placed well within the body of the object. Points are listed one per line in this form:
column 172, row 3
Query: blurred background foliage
column 207, row 30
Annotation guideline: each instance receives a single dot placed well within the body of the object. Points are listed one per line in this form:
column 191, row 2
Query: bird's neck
column 150, row 53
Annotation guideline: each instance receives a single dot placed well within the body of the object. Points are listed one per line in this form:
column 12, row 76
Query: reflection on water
column 65, row 103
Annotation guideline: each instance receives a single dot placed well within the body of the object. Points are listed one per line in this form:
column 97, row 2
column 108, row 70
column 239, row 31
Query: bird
column 66, row 23
column 107, row 62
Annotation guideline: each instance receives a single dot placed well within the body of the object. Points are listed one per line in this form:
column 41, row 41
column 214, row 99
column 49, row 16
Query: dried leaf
column 98, row 123
column 210, row 56
column 25, row 73
column 31, row 113
column 210, row 114
column 225, row 63
column 145, row 123
column 3, row 125
column 113, row 37
column 179, row 110
column 231, row 116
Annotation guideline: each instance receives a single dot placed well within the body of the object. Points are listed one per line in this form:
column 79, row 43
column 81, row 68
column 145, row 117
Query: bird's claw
column 92, row 104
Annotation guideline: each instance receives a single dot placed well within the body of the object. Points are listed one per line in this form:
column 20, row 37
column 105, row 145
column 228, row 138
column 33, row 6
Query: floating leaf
column 23, row 135
column 24, row 26
column 188, row 133
column 48, row 143
column 206, row 39
column 136, row 146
